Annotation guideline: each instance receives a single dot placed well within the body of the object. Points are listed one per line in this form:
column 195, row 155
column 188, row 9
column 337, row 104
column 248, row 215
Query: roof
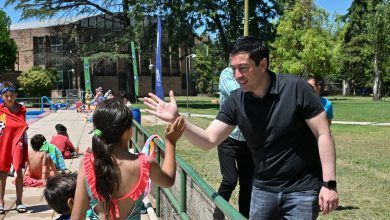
column 45, row 23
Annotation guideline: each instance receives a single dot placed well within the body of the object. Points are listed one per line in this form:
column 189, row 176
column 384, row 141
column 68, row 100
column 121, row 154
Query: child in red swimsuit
column 63, row 143
column 111, row 180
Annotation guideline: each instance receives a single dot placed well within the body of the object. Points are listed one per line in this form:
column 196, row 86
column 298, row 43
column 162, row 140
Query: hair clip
column 98, row 133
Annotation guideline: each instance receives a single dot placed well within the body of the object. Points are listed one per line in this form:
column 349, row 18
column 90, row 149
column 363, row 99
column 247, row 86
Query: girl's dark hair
column 58, row 190
column 255, row 47
column 37, row 142
column 61, row 129
column 112, row 118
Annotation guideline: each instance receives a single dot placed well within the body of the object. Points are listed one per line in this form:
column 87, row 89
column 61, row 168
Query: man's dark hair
column 61, row 129
column 37, row 142
column 58, row 190
column 255, row 47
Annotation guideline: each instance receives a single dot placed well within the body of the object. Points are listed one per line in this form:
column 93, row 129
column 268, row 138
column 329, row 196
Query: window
column 39, row 51
column 41, row 44
column 56, row 44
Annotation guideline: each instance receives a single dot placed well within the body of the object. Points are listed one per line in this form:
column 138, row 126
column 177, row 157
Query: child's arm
column 51, row 164
column 80, row 205
column 45, row 168
column 69, row 145
column 165, row 176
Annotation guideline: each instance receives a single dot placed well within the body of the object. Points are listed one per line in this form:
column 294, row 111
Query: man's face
column 9, row 98
column 245, row 71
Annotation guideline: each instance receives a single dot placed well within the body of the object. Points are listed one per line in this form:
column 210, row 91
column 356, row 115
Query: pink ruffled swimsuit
column 135, row 194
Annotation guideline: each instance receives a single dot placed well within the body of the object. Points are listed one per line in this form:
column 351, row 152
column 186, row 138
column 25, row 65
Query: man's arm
column 328, row 198
column 204, row 139
column 214, row 134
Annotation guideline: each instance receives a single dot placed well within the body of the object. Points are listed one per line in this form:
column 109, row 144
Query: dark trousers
column 236, row 164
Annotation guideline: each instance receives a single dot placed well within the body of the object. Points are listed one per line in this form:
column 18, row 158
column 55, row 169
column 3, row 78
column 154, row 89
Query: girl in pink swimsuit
column 111, row 180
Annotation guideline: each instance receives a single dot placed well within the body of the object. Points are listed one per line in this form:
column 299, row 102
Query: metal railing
column 179, row 203
column 44, row 101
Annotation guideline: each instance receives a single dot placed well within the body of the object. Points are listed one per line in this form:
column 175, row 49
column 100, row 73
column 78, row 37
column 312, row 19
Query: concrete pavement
column 32, row 197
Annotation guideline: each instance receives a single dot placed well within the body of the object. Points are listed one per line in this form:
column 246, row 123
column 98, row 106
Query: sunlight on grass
column 363, row 154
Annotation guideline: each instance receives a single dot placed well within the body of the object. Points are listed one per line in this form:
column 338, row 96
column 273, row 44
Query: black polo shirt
column 284, row 149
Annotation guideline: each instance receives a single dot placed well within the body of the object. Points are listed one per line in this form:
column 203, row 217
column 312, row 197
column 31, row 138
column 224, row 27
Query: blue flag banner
column 159, row 86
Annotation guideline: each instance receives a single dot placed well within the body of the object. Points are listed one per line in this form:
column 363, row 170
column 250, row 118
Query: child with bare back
column 39, row 162
column 111, row 180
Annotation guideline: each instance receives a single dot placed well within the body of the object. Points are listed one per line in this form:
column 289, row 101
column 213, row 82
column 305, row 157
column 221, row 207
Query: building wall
column 24, row 39
column 169, row 83
column 9, row 76
column 106, row 82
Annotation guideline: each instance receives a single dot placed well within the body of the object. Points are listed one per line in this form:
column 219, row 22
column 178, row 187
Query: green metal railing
column 140, row 135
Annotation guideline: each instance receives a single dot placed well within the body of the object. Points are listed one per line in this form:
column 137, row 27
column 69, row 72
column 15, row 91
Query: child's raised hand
column 174, row 131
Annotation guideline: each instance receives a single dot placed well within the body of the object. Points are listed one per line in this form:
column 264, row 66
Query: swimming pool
column 33, row 114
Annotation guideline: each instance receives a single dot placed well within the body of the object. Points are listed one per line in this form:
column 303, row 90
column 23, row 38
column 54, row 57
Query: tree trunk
column 377, row 87
column 346, row 88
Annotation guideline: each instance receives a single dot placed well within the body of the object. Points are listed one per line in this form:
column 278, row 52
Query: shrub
column 38, row 81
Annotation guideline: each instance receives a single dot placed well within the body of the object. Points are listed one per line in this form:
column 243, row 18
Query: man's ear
column 264, row 64
column 70, row 203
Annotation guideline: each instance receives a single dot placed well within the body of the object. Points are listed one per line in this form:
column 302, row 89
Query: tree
column 8, row 48
column 207, row 67
column 353, row 60
column 303, row 44
column 37, row 81
column 366, row 44
column 224, row 19
column 378, row 25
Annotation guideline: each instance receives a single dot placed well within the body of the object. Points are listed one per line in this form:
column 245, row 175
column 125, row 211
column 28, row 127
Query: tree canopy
column 365, row 47
column 8, row 48
column 303, row 45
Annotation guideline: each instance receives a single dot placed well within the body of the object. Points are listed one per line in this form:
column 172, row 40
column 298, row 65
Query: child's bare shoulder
column 37, row 154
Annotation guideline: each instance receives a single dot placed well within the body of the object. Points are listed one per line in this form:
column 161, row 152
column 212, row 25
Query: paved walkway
column 32, row 197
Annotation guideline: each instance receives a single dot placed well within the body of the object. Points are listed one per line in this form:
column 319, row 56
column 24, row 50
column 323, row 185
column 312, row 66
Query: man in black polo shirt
column 286, row 130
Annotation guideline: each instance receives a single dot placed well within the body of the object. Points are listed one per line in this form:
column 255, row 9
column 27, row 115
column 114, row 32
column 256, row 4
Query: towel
column 55, row 155
column 13, row 140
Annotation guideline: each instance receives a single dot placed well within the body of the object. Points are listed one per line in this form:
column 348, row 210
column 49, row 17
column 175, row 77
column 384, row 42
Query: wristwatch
column 331, row 184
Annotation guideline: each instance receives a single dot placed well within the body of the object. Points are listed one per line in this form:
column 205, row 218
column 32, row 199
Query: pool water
column 33, row 114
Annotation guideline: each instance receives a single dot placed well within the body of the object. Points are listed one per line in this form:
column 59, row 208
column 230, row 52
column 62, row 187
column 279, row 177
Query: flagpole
column 158, row 81
column 135, row 71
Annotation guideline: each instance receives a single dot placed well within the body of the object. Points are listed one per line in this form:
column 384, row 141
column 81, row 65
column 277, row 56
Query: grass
column 363, row 154
column 361, row 109
column 363, row 166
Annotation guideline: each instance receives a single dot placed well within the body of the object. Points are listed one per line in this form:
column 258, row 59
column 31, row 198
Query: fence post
column 183, row 191
column 158, row 213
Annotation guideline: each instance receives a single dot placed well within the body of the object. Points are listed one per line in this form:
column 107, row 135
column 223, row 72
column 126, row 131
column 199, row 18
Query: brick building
column 55, row 44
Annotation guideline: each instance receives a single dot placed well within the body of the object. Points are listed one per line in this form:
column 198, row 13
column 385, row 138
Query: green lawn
column 345, row 108
column 363, row 152
column 360, row 109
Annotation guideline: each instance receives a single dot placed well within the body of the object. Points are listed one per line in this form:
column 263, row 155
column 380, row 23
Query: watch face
column 332, row 184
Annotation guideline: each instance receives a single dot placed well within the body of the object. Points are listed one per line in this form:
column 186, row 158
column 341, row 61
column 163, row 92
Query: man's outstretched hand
column 166, row 111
